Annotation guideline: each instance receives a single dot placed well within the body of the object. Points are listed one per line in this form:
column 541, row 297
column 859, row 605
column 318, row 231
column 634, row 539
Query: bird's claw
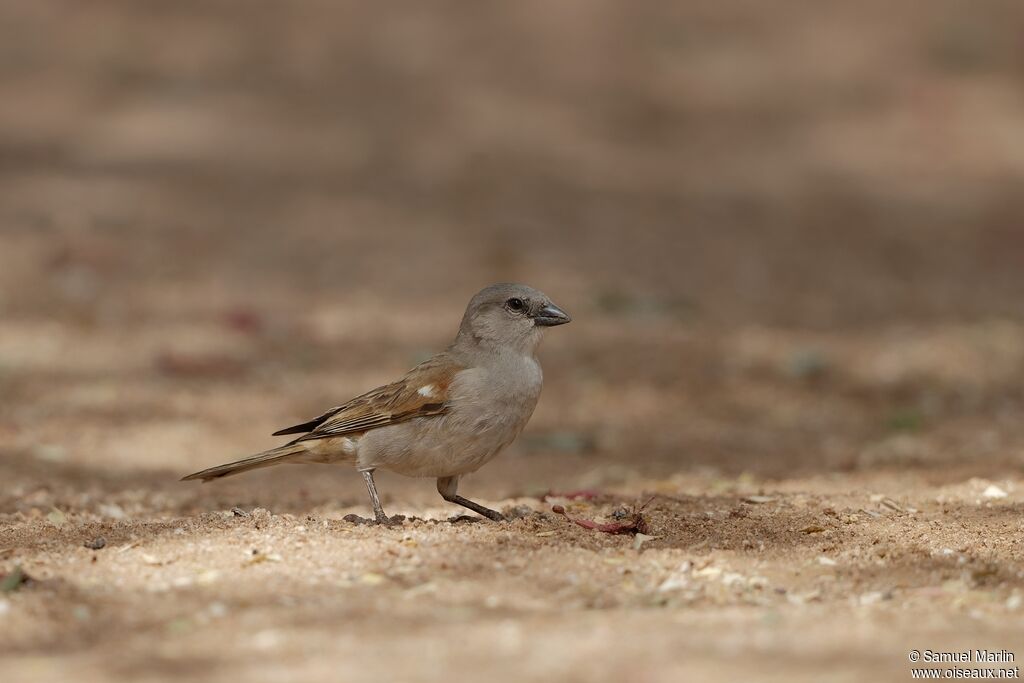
column 382, row 520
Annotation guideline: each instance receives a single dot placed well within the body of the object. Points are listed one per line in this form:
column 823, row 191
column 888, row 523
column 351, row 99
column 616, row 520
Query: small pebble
column 97, row 543
column 994, row 491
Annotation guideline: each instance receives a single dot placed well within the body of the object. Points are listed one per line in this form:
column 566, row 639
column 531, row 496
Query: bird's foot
column 490, row 514
column 382, row 520
column 493, row 515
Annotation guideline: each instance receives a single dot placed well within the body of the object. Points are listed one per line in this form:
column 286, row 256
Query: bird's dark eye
column 515, row 304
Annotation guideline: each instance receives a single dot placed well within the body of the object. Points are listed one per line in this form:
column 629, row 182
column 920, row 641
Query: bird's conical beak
column 551, row 315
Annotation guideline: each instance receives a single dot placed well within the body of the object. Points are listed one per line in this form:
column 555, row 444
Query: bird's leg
column 378, row 511
column 447, row 486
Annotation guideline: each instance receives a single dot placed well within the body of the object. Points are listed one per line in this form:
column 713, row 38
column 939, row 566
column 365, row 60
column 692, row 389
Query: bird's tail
column 275, row 456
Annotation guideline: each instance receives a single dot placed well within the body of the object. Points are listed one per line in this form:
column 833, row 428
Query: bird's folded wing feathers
column 422, row 392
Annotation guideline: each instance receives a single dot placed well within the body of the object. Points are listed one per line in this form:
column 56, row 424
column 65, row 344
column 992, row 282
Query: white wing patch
column 427, row 390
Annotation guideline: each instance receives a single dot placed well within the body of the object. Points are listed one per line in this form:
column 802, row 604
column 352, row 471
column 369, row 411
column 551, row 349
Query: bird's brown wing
column 308, row 426
column 421, row 392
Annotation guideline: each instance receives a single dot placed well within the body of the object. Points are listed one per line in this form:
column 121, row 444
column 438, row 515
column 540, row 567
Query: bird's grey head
column 509, row 316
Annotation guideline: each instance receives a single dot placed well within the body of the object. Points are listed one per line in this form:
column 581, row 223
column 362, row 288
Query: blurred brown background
column 790, row 235
column 292, row 202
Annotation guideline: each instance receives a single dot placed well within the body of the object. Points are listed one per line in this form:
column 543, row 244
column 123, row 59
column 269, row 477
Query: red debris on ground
column 631, row 524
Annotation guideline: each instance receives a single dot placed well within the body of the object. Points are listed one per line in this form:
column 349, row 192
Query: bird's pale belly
column 479, row 424
column 438, row 447
column 447, row 445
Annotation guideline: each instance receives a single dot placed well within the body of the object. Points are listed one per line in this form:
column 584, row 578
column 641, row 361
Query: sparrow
column 446, row 417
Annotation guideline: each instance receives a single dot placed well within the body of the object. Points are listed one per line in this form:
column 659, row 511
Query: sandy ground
column 791, row 245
